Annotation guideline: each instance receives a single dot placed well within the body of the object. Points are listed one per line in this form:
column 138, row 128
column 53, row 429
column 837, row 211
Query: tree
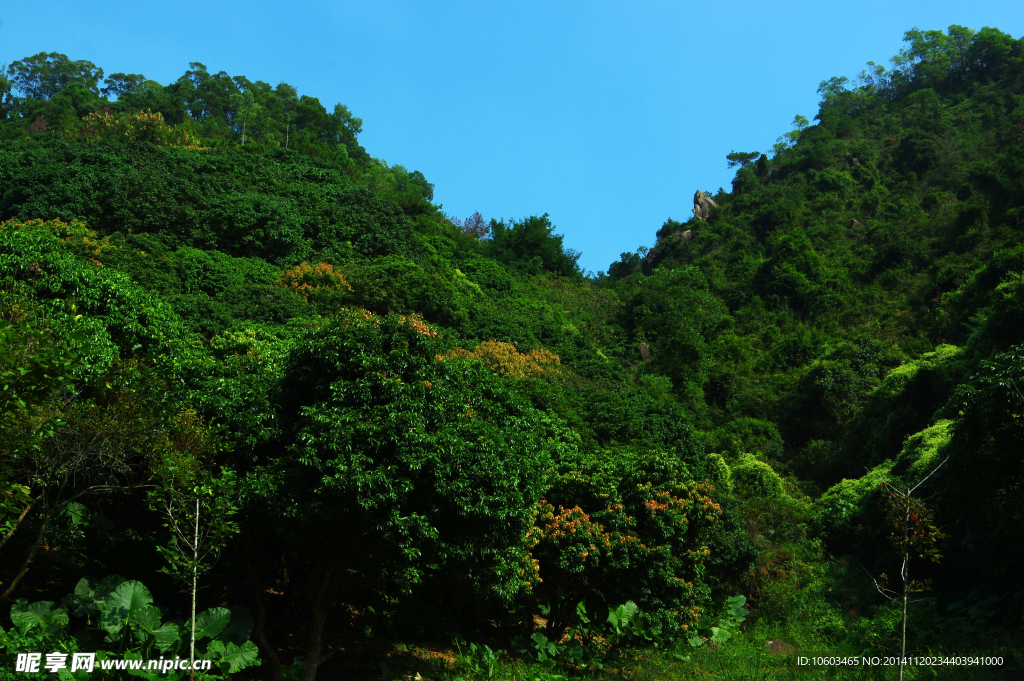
column 475, row 226
column 790, row 138
column 44, row 75
column 913, row 535
column 348, row 122
column 402, row 468
column 532, row 246
column 7, row 99
column 289, row 106
column 197, row 508
column 741, row 158
column 986, row 467
column 120, row 84
column 245, row 105
column 35, row 362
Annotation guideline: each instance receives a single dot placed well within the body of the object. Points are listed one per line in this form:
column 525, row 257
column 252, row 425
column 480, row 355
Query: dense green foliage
column 432, row 427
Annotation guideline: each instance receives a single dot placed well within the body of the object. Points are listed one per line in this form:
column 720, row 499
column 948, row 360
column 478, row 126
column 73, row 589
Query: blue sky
column 605, row 115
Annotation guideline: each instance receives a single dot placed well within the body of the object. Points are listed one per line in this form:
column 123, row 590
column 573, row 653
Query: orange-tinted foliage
column 505, row 360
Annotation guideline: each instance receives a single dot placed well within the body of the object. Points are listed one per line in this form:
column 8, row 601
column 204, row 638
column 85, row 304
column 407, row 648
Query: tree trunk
column 28, row 558
column 21, row 516
column 906, row 591
column 320, row 593
column 259, row 630
column 195, row 571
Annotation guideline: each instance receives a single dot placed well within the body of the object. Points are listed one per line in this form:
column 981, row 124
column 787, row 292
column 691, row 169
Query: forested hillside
column 261, row 398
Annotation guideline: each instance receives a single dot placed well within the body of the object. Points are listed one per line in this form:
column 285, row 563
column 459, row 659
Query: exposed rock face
column 776, row 647
column 645, row 351
column 656, row 253
column 856, row 229
column 702, row 205
column 653, row 255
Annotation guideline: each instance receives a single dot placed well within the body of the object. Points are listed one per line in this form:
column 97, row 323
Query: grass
column 748, row 658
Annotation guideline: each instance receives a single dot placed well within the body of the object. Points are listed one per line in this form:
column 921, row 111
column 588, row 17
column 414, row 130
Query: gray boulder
column 702, row 205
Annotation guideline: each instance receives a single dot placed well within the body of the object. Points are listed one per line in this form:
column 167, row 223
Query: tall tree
column 44, row 75
column 245, row 105
column 289, row 100
column 197, row 509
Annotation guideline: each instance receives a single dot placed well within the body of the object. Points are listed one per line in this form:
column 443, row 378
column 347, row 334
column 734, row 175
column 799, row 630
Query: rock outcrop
column 776, row 647
column 702, row 205
column 652, row 258
column 856, row 230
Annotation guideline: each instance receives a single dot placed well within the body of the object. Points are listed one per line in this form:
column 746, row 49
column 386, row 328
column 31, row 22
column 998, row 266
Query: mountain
column 219, row 312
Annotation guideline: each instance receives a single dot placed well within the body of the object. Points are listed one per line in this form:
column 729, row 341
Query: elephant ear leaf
column 130, row 596
column 83, row 599
column 236, row 658
column 41, row 614
column 89, row 596
column 145, row 621
column 211, row 622
column 122, row 604
column 167, row 636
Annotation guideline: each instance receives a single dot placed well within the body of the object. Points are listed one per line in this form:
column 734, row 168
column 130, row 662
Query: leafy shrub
column 395, row 284
column 116, row 316
column 632, row 524
column 832, row 180
column 922, row 452
column 234, row 380
column 531, row 247
column 903, row 403
column 732, row 552
column 138, row 126
column 752, row 477
column 505, row 360
column 747, row 435
column 120, row 614
column 294, row 204
column 490, row 275
column 987, row 438
column 675, row 314
column 593, row 639
column 851, row 513
column 834, row 388
column 720, row 472
column 434, row 466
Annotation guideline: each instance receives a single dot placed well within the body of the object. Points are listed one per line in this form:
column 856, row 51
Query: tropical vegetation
column 257, row 376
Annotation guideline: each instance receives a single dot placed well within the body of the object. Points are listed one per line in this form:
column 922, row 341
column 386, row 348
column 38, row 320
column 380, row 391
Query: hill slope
column 419, row 423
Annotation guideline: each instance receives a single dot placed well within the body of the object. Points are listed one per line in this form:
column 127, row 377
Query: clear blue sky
column 606, row 115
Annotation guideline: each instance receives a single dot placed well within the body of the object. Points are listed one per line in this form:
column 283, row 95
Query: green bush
column 634, row 525
column 395, row 284
column 752, row 477
column 904, row 403
column 922, row 452
column 294, row 205
column 119, row 616
column 433, row 467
